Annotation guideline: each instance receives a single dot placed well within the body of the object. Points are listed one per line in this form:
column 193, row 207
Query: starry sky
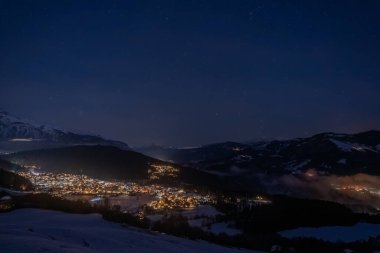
column 185, row 73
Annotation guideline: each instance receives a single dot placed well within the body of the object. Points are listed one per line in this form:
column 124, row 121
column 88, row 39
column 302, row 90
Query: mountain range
column 17, row 134
column 57, row 150
column 328, row 153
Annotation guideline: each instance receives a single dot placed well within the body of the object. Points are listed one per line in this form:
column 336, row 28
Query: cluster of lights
column 165, row 198
column 261, row 200
column 168, row 198
column 158, row 171
column 358, row 189
column 6, row 206
column 64, row 184
column 175, row 201
column 256, row 201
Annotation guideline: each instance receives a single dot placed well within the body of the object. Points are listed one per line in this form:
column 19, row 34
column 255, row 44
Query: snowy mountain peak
column 13, row 129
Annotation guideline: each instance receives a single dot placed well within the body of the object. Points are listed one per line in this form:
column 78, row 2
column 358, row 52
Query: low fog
column 361, row 192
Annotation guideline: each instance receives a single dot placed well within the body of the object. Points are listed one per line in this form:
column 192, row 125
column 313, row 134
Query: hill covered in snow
column 35, row 230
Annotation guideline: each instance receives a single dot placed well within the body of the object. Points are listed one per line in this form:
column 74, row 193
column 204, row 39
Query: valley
column 235, row 194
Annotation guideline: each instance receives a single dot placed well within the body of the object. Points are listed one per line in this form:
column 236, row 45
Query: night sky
column 185, row 73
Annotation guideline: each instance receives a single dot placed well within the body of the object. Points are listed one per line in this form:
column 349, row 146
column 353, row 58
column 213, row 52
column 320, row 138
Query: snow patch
column 348, row 147
column 342, row 161
column 242, row 158
column 296, row 167
column 155, row 217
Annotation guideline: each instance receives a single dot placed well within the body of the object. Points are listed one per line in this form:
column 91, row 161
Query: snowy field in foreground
column 35, row 230
column 360, row 231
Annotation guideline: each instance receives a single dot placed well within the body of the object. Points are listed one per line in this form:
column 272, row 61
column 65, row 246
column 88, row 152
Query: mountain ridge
column 17, row 134
column 326, row 152
column 104, row 162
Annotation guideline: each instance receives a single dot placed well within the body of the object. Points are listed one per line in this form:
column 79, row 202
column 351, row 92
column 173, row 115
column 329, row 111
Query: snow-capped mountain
column 326, row 152
column 17, row 134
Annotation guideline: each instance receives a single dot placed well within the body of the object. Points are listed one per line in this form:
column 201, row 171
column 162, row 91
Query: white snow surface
column 348, row 147
column 36, row 230
column 17, row 129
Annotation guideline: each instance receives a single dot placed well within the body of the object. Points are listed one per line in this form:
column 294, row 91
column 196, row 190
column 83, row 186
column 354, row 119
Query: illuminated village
column 358, row 188
column 164, row 198
column 155, row 196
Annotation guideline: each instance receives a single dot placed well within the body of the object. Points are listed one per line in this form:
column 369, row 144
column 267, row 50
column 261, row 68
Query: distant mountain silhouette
column 17, row 135
column 327, row 152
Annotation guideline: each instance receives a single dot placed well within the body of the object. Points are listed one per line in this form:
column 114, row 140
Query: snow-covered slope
column 351, row 147
column 35, row 230
column 21, row 134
